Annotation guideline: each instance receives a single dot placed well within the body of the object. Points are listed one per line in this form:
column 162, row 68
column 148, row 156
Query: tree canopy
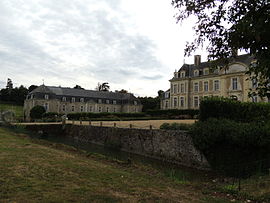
column 227, row 26
column 103, row 86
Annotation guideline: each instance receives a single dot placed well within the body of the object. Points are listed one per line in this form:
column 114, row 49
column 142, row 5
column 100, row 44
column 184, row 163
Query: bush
column 174, row 113
column 103, row 115
column 37, row 112
column 175, row 126
column 218, row 107
column 52, row 116
column 233, row 147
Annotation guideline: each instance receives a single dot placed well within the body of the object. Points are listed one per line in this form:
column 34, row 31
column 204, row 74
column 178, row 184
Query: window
column 107, row 101
column 72, row 108
column 81, row 99
column 32, row 96
column 206, row 71
column 64, row 99
column 90, row 108
column 135, row 102
column 234, row 84
column 196, row 101
column 46, row 106
column 73, row 99
column 254, row 98
column 174, row 89
column 107, row 109
column 182, row 88
column 196, row 87
column 99, row 109
column 114, row 109
column 196, row 73
column 114, row 101
column 216, row 85
column 64, row 107
column 182, row 101
column 254, row 83
column 183, row 74
column 99, row 101
column 46, row 96
column 205, row 86
column 81, row 108
column 175, row 102
column 166, row 104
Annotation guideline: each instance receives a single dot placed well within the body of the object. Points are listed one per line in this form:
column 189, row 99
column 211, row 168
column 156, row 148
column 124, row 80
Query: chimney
column 197, row 60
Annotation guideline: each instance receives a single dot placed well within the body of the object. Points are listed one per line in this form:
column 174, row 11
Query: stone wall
column 171, row 146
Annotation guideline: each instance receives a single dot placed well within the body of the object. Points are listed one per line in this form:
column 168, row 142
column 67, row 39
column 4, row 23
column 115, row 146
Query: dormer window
column 206, row 71
column 46, row 96
column 114, row 101
column 183, row 74
column 135, row 102
column 81, row 99
column 64, row 99
column 73, row 99
column 99, row 101
column 196, row 73
column 107, row 101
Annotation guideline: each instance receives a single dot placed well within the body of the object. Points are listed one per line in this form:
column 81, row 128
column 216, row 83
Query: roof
column 189, row 68
column 66, row 91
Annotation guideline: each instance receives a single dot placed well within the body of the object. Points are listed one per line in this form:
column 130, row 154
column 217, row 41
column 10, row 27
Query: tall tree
column 9, row 84
column 227, row 26
column 103, row 86
column 32, row 87
column 78, row 87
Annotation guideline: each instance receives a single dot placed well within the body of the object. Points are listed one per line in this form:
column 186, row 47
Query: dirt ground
column 145, row 124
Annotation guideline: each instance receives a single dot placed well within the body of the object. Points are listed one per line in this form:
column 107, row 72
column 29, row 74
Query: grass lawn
column 17, row 109
column 39, row 171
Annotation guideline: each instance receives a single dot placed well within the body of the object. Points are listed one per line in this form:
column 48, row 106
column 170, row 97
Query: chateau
column 203, row 79
column 70, row 100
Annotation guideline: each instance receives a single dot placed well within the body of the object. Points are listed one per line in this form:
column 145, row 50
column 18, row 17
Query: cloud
column 73, row 42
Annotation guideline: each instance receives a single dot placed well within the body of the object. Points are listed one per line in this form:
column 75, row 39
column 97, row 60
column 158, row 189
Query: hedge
column 89, row 116
column 235, row 148
column 173, row 112
column 218, row 107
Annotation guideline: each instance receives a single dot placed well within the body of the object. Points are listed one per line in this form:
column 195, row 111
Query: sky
column 132, row 45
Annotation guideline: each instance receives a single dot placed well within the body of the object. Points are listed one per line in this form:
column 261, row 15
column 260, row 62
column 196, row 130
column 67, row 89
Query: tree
column 37, row 112
column 32, row 87
column 78, row 87
column 231, row 25
column 103, row 86
column 121, row 91
column 9, row 84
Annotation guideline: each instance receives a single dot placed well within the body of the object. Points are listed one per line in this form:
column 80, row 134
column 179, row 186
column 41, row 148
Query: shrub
column 175, row 126
column 233, row 147
column 174, row 113
column 106, row 115
column 37, row 111
column 218, row 107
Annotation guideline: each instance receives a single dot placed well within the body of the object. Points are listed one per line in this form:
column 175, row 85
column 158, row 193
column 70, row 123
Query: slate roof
column 189, row 68
column 72, row 92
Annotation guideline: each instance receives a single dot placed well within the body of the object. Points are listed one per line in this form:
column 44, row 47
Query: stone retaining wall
column 167, row 145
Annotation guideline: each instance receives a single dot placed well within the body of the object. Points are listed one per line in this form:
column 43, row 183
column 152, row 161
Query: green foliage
column 52, row 117
column 174, row 113
column 217, row 107
column 110, row 116
column 37, row 112
column 175, row 126
column 150, row 103
column 232, row 147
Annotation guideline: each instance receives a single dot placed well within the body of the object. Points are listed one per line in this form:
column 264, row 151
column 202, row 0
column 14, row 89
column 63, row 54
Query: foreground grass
column 32, row 172
column 38, row 171
column 17, row 109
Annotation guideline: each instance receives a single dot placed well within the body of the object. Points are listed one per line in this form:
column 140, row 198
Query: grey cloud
column 114, row 55
column 154, row 77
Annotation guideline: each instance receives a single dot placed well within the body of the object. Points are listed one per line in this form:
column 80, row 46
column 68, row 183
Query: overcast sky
column 133, row 45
